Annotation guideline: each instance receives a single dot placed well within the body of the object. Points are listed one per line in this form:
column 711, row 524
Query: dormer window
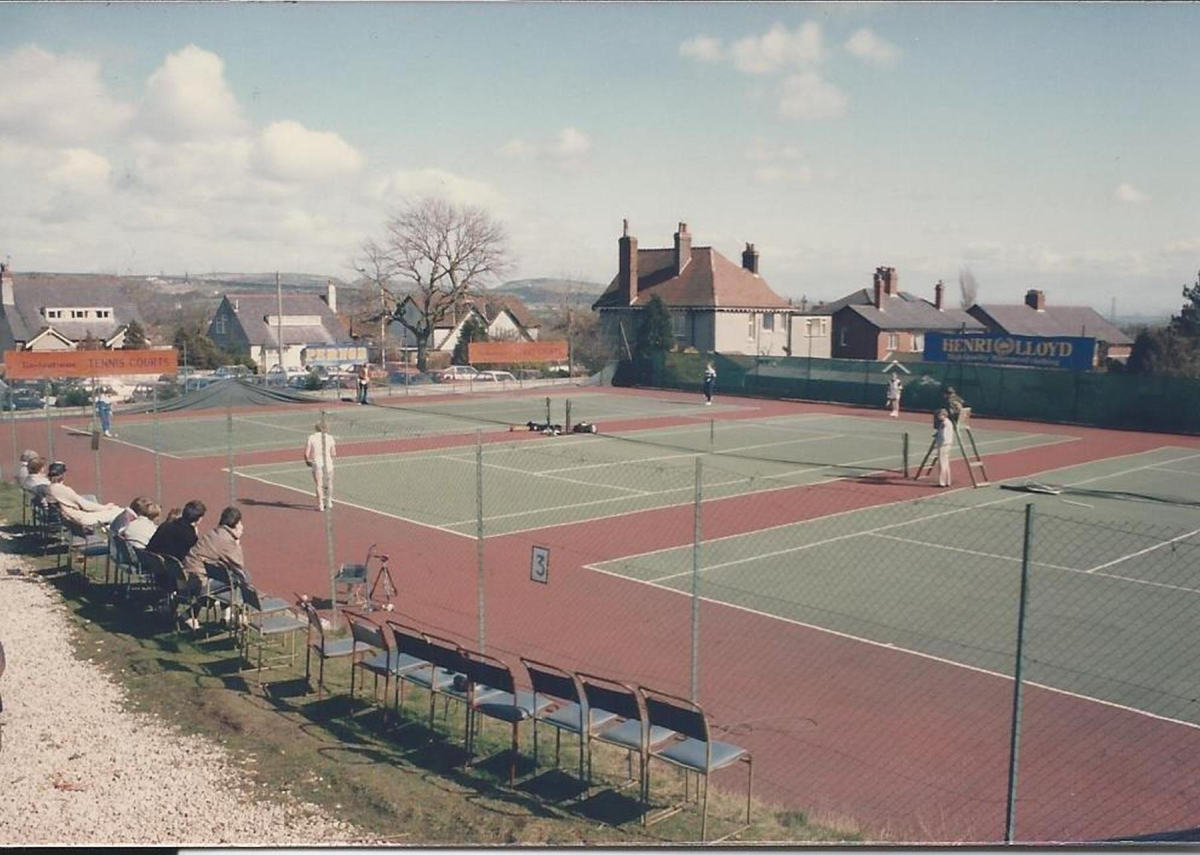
column 54, row 314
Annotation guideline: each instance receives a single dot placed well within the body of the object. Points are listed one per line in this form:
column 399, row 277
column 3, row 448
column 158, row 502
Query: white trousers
column 319, row 480
column 943, row 452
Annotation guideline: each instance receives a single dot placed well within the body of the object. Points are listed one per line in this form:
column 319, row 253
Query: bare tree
column 968, row 288
column 375, row 267
column 442, row 252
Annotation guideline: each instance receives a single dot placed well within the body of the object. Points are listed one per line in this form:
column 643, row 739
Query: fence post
column 157, row 444
column 229, row 452
column 479, row 535
column 327, row 511
column 12, row 424
column 905, row 454
column 1010, row 819
column 696, row 582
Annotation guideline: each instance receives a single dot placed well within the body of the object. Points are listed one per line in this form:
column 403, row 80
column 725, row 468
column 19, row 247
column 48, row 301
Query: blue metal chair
column 413, row 664
column 694, row 750
column 492, row 693
column 264, row 619
column 568, row 710
column 373, row 654
column 631, row 731
column 322, row 648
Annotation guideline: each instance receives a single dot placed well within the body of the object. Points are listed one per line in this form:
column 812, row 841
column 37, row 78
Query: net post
column 327, row 512
column 49, row 426
column 549, row 418
column 157, row 445
column 1010, row 814
column 695, row 669
column 229, row 453
column 904, row 453
column 479, row 537
column 567, row 422
column 712, row 433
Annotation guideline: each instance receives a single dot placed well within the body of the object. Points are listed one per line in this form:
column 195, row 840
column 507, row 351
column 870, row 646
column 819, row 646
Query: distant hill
column 292, row 281
column 547, row 293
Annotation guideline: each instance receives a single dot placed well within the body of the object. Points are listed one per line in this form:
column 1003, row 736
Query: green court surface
column 547, row 481
column 208, row 434
column 1113, row 596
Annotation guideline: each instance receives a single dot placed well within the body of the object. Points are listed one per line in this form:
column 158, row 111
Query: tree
column 1173, row 350
column 135, row 337
column 1187, row 322
column 374, row 267
column 655, row 333
column 441, row 252
column 202, row 352
column 472, row 330
column 968, row 288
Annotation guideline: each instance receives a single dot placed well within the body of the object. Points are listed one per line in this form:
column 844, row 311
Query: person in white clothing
column 944, row 441
column 138, row 531
column 710, row 380
column 319, row 454
column 76, row 508
column 893, row 396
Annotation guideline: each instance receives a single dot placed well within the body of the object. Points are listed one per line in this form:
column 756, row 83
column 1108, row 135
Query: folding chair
column 52, row 530
column 447, row 657
column 492, row 693
column 82, row 544
column 568, row 710
column 413, row 664
column 373, row 654
column 266, row 623
column 137, row 576
column 693, row 751
column 167, row 585
column 632, row 732
column 221, row 591
column 322, row 648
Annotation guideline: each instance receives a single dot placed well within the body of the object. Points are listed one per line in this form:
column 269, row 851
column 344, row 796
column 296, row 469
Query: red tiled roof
column 708, row 280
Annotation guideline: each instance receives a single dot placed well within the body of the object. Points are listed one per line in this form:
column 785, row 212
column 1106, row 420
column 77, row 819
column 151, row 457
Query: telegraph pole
column 279, row 321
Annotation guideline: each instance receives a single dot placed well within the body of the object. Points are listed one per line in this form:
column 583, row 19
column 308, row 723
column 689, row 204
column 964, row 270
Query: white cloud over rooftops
column 187, row 97
column 809, row 96
column 56, row 100
column 703, row 48
column 287, row 150
column 872, row 49
column 779, row 49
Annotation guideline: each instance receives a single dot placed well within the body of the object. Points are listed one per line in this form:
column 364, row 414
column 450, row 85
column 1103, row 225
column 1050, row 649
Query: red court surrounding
column 911, row 747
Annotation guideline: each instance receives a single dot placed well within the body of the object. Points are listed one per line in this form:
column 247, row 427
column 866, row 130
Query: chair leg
column 512, row 766
column 704, row 812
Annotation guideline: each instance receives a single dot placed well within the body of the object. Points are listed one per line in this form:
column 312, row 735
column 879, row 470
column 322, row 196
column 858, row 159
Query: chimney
column 627, row 275
column 878, row 292
column 939, row 291
column 683, row 248
column 7, row 296
column 331, row 295
column 1035, row 300
column 889, row 279
column 750, row 258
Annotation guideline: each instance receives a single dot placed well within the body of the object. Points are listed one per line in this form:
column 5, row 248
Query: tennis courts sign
column 1072, row 353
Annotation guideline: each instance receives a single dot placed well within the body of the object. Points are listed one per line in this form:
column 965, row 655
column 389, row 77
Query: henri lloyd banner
column 1057, row 352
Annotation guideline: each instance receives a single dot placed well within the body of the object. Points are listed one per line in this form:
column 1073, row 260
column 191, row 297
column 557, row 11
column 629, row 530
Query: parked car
column 24, row 399
column 227, row 371
column 457, row 372
column 496, row 377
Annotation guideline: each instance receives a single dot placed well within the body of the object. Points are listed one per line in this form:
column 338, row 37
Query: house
column 53, row 311
column 810, row 330
column 503, row 316
column 310, row 327
column 1035, row 318
column 715, row 305
column 887, row 323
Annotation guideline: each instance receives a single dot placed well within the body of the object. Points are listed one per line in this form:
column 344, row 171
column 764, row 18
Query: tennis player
column 710, row 380
column 893, row 396
column 319, row 454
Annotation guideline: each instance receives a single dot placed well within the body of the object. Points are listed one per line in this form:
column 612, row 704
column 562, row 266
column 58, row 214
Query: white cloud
column 568, row 146
column 187, row 97
column 783, row 175
column 761, row 150
column 518, row 148
column 570, row 143
column 204, row 169
column 808, row 96
column 437, row 182
column 872, row 49
column 287, row 150
column 55, row 99
column 81, row 171
column 779, row 49
column 703, row 48
column 1129, row 194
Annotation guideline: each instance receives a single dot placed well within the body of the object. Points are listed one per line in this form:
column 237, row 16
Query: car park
column 496, row 377
column 456, row 372
column 24, row 399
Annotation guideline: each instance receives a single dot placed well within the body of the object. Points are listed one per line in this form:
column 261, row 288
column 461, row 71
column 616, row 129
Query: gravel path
column 76, row 768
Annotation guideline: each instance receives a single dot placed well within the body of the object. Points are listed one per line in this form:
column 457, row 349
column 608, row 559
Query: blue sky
column 1040, row 145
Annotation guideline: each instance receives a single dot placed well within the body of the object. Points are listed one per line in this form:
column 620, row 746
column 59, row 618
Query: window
column 103, row 313
column 679, row 324
column 78, row 313
column 753, row 325
column 842, row 337
column 769, row 322
column 893, row 341
column 54, row 313
column 918, row 342
column 219, row 323
column 824, row 326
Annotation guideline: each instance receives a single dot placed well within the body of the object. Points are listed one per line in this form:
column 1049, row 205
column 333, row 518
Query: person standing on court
column 319, row 454
column 364, row 381
column 104, row 402
column 893, row 396
column 943, row 440
column 710, row 380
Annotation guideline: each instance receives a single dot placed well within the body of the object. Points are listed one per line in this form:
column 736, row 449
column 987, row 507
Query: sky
column 1038, row 145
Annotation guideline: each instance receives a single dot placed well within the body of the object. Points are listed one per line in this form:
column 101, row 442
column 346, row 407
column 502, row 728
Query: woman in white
column 893, row 396
column 138, row 531
column 944, row 440
column 319, row 456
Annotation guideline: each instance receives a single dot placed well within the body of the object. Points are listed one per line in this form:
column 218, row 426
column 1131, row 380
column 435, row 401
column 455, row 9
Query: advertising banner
column 513, row 352
column 1075, row 354
column 45, row 365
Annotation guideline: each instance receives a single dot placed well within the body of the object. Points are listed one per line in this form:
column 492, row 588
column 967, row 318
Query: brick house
column 1035, row 318
column 887, row 323
column 715, row 305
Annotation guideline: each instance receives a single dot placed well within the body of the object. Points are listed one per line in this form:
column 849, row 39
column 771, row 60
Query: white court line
column 889, row 646
column 1174, row 471
column 359, row 507
column 576, row 481
column 117, row 439
column 1144, row 551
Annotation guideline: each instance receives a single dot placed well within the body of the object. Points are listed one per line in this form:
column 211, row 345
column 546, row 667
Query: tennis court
column 211, row 434
column 1115, row 578
column 546, row 481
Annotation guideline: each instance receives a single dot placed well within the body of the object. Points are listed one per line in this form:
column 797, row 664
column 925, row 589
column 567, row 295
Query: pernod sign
column 1035, row 351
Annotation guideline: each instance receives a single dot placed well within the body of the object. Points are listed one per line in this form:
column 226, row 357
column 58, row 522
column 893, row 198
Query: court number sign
column 539, row 564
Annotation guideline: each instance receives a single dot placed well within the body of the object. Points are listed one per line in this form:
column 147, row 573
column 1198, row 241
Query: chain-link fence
column 972, row 665
column 1069, row 397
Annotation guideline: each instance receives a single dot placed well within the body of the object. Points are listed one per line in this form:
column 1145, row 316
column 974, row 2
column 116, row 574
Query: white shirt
column 945, row 433
column 312, row 453
column 139, row 531
column 710, row 373
column 894, row 387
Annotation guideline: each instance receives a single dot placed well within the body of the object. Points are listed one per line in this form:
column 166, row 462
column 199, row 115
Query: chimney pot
column 683, row 248
column 939, row 291
column 1035, row 300
column 627, row 270
column 750, row 258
